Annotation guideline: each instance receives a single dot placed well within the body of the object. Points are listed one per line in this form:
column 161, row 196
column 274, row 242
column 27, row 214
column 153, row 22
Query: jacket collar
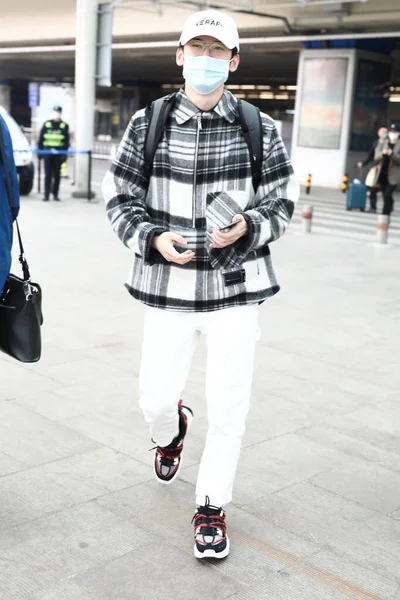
column 185, row 110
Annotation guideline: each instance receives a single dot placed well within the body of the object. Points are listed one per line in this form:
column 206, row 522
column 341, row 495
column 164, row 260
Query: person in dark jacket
column 9, row 205
column 388, row 154
column 382, row 181
column 54, row 135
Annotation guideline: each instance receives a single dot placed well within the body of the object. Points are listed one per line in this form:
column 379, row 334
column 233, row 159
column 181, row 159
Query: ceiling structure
column 294, row 15
column 146, row 33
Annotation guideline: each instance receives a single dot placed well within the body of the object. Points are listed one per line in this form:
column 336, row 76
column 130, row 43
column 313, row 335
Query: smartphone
column 181, row 248
column 226, row 228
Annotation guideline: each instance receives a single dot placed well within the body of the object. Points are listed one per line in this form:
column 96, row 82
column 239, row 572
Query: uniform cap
column 57, row 108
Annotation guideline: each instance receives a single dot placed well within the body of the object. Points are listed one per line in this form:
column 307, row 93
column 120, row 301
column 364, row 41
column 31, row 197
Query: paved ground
column 316, row 512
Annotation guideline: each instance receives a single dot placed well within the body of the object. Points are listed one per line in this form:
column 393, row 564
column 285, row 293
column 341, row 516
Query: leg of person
column 47, row 176
column 383, row 182
column 373, row 192
column 392, row 189
column 169, row 342
column 231, row 337
column 388, row 199
column 57, row 175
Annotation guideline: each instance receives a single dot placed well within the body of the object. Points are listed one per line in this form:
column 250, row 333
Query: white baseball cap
column 214, row 23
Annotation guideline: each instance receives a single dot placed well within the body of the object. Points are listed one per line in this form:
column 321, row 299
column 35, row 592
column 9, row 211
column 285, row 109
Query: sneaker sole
column 189, row 419
column 210, row 553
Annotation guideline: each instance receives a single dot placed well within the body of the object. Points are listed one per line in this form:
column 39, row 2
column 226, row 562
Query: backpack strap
column 251, row 126
column 250, row 123
column 157, row 113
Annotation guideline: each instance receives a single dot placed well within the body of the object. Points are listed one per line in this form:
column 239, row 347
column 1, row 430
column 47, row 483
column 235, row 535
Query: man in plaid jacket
column 193, row 277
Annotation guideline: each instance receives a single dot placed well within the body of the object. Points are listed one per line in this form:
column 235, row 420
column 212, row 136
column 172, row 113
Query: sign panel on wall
column 33, row 94
column 321, row 110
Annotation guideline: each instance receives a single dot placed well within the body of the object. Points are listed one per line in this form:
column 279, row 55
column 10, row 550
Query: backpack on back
column 250, row 123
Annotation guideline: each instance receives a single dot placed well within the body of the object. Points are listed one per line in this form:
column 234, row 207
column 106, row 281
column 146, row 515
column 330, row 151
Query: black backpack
column 250, row 123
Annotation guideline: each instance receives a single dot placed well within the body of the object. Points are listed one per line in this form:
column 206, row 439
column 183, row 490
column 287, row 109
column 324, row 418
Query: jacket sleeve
column 371, row 156
column 14, row 201
column 41, row 138
column 395, row 158
column 67, row 138
column 276, row 196
column 124, row 189
column 378, row 156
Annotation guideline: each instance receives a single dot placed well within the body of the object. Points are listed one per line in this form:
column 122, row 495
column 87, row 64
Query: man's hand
column 221, row 240
column 164, row 243
column 387, row 151
column 359, row 165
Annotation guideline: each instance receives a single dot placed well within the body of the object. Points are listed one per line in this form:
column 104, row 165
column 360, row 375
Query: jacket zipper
column 199, row 127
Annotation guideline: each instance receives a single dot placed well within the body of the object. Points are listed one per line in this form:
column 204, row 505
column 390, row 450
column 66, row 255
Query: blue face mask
column 204, row 73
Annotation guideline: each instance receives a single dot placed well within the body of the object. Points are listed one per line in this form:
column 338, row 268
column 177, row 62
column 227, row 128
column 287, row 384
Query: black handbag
column 20, row 303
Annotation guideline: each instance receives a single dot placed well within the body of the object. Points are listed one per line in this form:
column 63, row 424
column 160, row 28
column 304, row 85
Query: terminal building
column 327, row 71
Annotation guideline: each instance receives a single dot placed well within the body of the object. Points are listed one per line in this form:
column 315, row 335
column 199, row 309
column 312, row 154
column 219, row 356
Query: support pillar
column 85, row 89
column 341, row 101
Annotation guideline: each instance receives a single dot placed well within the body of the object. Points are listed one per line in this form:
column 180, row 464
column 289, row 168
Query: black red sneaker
column 167, row 461
column 210, row 537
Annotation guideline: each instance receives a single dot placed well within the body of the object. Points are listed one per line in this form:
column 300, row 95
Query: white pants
column 168, row 346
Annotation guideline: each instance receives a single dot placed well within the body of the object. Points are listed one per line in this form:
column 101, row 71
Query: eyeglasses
column 217, row 49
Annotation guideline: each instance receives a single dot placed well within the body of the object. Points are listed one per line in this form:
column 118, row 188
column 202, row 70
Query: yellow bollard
column 64, row 169
column 345, row 183
column 308, row 183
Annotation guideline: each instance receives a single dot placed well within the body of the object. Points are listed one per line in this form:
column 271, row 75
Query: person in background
column 389, row 155
column 9, row 206
column 382, row 181
column 54, row 135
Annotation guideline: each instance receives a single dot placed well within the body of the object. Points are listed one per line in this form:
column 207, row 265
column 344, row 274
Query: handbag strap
column 22, row 259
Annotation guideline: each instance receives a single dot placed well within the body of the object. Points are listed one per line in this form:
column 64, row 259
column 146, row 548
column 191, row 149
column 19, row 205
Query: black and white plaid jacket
column 201, row 177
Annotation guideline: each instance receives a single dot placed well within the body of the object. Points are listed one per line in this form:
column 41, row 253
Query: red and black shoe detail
column 210, row 537
column 167, row 460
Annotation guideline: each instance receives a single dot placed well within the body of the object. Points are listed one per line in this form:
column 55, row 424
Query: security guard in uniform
column 53, row 136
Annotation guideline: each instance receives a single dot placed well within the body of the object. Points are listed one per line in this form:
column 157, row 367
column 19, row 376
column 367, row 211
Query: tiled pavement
column 316, row 513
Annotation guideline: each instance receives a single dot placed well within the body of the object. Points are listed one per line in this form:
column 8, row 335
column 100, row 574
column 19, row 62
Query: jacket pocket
column 221, row 208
